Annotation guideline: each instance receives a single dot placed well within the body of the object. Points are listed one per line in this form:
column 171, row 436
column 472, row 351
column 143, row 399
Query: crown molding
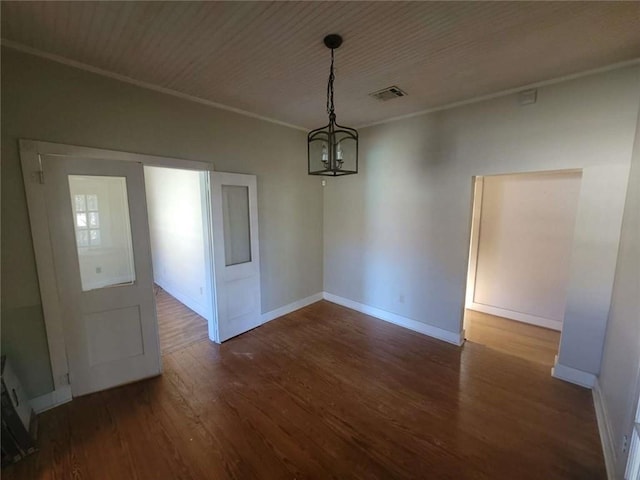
column 138, row 83
column 123, row 78
column 510, row 91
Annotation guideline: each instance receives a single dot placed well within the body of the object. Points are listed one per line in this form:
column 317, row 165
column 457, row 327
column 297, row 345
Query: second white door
column 234, row 222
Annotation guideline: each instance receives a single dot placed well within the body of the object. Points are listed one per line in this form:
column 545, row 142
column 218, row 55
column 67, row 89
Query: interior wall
column 45, row 100
column 619, row 379
column 397, row 235
column 523, row 257
column 174, row 205
column 593, row 263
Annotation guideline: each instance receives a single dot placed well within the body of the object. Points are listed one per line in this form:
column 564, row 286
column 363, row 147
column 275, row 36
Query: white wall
column 523, row 257
column 620, row 373
column 174, row 204
column 593, row 263
column 396, row 236
column 47, row 101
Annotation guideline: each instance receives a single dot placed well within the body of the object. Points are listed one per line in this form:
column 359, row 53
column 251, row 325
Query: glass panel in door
column 102, row 230
column 235, row 216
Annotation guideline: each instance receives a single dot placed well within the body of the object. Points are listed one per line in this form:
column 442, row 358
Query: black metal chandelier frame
column 332, row 134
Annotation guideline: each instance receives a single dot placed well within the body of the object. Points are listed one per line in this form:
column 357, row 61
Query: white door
column 234, row 221
column 100, row 241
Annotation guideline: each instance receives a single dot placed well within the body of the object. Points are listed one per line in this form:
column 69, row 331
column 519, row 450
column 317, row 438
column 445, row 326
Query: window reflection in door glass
column 102, row 230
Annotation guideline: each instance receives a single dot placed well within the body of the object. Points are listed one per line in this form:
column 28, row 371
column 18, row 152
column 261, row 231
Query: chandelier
column 332, row 149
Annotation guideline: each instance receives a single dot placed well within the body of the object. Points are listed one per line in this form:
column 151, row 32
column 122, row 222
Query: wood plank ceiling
column 268, row 57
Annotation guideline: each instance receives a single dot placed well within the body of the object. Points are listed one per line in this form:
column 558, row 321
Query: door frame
column 31, row 158
column 477, row 192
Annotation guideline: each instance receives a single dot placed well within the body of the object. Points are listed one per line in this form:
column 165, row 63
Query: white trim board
column 52, row 399
column 573, row 375
column 517, row 316
column 292, row 307
column 604, row 428
column 52, row 148
column 425, row 329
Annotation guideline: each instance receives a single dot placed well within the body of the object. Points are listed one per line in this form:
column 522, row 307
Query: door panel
column 100, row 240
column 236, row 253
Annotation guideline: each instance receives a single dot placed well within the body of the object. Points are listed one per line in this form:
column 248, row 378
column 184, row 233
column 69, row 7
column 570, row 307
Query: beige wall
column 48, row 101
column 525, row 241
column 397, row 235
column 620, row 373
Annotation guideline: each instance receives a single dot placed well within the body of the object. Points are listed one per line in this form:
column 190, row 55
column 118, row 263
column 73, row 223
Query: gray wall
column 620, row 373
column 44, row 100
column 397, row 235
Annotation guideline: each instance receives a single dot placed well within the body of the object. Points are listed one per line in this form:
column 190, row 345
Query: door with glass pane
column 100, row 240
column 236, row 253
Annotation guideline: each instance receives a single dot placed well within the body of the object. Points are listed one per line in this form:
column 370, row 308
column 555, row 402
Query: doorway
column 179, row 226
column 519, row 262
column 102, row 327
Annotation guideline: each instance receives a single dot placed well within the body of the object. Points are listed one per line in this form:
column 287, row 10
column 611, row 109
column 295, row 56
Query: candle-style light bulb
column 339, row 160
column 325, row 154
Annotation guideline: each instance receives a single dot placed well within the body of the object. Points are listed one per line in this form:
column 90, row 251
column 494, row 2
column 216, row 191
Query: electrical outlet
column 201, row 290
column 98, row 269
column 401, row 298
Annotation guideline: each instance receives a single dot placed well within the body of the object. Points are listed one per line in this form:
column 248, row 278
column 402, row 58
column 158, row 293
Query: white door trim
column 476, row 213
column 31, row 157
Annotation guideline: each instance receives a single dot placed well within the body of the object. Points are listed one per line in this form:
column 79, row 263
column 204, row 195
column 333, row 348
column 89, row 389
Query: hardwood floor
column 178, row 325
column 326, row 392
column 522, row 340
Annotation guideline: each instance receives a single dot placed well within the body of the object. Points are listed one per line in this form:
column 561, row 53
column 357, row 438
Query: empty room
column 278, row 240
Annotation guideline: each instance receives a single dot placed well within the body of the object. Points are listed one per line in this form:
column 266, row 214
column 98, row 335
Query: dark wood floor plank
column 326, row 392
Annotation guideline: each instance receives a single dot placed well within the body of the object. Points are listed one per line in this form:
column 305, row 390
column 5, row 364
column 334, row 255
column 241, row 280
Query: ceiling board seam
column 510, row 91
column 123, row 78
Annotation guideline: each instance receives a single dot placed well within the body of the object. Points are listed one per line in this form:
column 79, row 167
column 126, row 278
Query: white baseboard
column 573, row 375
column 604, row 428
column 185, row 300
column 429, row 330
column 292, row 307
column 517, row 316
column 52, row 399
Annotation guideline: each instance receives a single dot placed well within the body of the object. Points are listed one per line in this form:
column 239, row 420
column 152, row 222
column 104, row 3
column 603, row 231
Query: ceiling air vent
column 388, row 93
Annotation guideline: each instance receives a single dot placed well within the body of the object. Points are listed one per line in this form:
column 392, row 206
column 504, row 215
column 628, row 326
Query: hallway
column 178, row 325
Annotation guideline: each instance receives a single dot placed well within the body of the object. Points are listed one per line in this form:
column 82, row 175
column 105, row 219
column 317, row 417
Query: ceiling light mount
column 332, row 149
column 333, row 41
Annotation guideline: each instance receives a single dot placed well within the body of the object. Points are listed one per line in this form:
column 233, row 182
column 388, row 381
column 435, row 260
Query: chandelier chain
column 330, row 107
